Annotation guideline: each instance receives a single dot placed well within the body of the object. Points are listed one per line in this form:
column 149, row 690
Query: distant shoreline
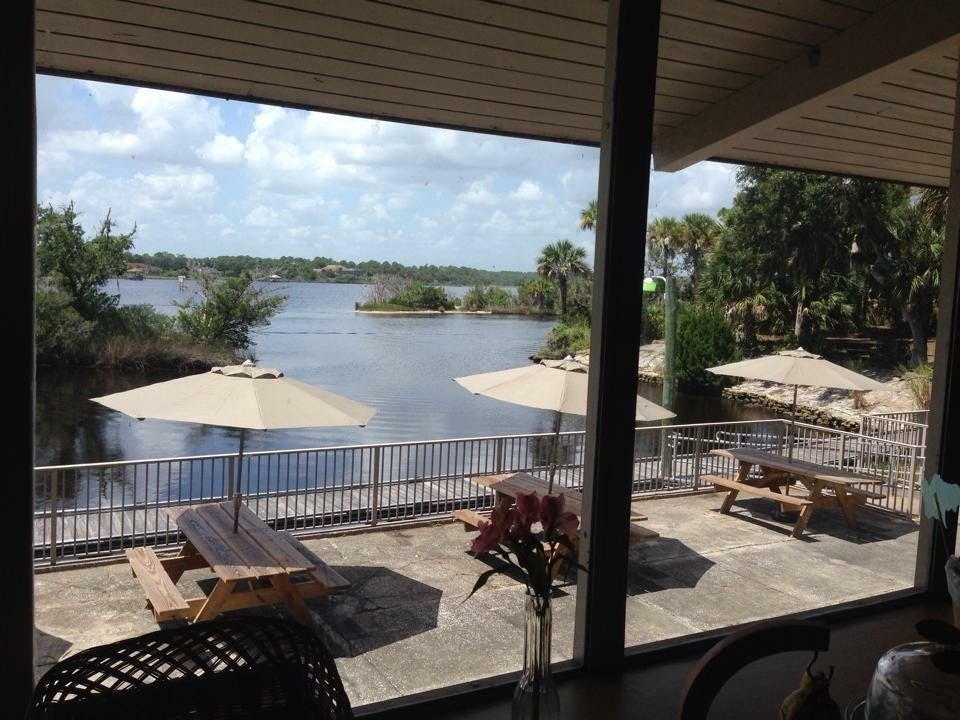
column 423, row 312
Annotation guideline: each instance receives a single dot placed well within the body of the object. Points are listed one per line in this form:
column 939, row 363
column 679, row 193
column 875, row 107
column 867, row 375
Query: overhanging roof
column 862, row 87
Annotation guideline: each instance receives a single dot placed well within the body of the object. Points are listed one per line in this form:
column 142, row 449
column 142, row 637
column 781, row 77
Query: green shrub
column 228, row 311
column 579, row 300
column 651, row 322
column 418, row 296
column 920, row 382
column 704, row 339
column 566, row 339
column 62, row 336
column 136, row 321
column 539, row 294
column 499, row 298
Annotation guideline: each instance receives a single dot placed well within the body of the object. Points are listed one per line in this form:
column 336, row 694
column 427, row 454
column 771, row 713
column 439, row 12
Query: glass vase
column 536, row 696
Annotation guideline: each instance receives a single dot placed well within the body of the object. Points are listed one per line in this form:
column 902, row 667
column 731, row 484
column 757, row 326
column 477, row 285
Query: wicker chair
column 741, row 648
column 235, row 667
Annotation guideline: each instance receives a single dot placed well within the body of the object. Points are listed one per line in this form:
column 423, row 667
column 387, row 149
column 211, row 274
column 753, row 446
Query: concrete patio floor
column 407, row 626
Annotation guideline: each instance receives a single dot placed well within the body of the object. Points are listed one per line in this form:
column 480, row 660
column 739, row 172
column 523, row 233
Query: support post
column 375, row 487
column 943, row 454
column 20, row 205
column 629, row 88
column 669, row 368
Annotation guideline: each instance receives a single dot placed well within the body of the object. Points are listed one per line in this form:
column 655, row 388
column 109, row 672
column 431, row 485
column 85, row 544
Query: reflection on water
column 402, row 365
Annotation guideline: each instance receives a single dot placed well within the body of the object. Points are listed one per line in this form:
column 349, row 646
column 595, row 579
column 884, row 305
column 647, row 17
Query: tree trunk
column 798, row 320
column 562, row 286
column 918, row 353
column 749, row 339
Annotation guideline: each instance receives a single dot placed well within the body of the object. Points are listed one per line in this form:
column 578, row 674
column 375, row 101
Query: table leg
column 846, row 504
column 291, row 598
column 214, row 604
column 814, row 496
column 743, row 471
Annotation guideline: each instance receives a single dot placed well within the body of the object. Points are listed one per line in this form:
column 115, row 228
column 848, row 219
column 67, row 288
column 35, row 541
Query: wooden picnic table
column 507, row 486
column 824, row 486
column 255, row 566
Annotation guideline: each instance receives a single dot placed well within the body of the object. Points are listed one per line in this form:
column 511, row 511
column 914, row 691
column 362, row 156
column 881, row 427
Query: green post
column 669, row 359
column 669, row 367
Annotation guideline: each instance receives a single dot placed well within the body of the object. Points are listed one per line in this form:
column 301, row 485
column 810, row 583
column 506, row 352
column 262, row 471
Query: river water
column 400, row 364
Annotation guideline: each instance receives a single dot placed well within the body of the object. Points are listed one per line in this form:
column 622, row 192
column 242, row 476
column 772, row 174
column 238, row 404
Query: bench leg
column 802, row 521
column 728, row 501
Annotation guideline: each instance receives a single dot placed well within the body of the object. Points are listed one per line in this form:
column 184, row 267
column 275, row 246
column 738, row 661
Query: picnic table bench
column 507, row 486
column 823, row 486
column 255, row 566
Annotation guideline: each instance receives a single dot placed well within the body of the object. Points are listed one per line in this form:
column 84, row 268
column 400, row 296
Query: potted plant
column 536, row 537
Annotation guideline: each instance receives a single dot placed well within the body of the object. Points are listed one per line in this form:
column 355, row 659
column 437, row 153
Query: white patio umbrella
column 558, row 385
column 798, row 367
column 240, row 396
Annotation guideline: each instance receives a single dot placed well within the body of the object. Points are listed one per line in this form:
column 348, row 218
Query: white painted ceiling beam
column 898, row 34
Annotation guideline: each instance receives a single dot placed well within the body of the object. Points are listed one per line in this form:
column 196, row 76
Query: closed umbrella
column 798, row 367
column 240, row 396
column 558, row 385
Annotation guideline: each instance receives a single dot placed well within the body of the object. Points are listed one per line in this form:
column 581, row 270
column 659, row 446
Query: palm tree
column 539, row 290
column 664, row 236
column 588, row 216
column 698, row 233
column 932, row 205
column 559, row 262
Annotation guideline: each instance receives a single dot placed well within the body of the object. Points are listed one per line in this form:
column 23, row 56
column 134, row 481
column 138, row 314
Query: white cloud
column 94, row 143
column 204, row 176
column 222, row 150
column 527, row 191
column 263, row 216
column 351, row 223
column 705, row 187
column 498, row 221
column 478, row 193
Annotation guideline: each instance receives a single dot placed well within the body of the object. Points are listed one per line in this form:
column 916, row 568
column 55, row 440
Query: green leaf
column 481, row 581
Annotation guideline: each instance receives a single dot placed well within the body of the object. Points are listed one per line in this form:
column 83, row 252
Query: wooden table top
column 513, row 483
column 802, row 468
column 255, row 551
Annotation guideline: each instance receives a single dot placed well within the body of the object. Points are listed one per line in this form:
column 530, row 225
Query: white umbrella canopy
column 558, row 385
column 798, row 367
column 240, row 396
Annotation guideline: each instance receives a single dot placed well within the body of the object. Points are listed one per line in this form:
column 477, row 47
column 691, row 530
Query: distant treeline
column 324, row 269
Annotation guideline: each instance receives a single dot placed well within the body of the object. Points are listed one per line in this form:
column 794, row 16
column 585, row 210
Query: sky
column 201, row 177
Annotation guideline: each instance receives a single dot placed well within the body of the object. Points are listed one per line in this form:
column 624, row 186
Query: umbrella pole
column 553, row 453
column 793, row 422
column 236, row 492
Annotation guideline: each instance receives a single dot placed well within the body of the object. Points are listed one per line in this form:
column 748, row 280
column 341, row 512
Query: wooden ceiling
column 862, row 87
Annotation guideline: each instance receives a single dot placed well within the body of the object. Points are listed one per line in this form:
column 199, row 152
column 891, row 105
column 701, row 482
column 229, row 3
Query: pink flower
column 527, row 508
column 552, row 515
column 525, row 513
column 492, row 531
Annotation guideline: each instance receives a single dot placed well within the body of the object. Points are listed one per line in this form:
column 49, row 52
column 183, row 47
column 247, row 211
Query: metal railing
column 905, row 427
column 98, row 509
